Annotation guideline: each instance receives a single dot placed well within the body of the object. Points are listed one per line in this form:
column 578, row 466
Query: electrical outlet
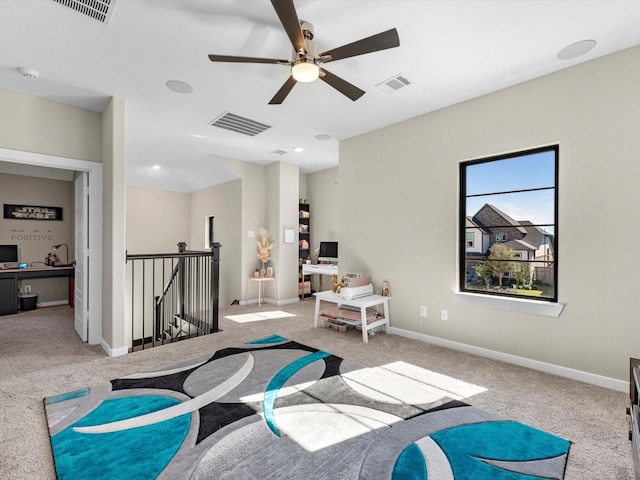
column 423, row 312
column 27, row 289
column 444, row 315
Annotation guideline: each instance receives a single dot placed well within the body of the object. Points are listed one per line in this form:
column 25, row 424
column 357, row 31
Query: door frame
column 93, row 296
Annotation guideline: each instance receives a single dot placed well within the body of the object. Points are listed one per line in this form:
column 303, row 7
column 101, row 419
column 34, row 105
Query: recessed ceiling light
column 323, row 136
column 298, row 149
column 576, row 50
column 28, row 72
column 157, row 167
column 179, row 86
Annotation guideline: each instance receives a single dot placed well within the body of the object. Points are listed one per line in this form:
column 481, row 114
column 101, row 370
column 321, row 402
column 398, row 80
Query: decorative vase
column 263, row 271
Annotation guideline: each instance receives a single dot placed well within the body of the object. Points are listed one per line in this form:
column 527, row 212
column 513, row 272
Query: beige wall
column 253, row 215
column 36, row 237
column 324, row 205
column 282, row 210
column 398, row 215
column 157, row 220
column 33, row 124
column 114, row 235
column 225, row 204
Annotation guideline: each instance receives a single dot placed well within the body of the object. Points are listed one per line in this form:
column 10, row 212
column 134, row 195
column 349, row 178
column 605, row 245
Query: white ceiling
column 451, row 51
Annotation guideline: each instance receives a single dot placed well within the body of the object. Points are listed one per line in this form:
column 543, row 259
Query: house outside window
column 513, row 200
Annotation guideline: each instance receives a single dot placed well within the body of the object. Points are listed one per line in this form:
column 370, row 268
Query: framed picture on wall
column 32, row 212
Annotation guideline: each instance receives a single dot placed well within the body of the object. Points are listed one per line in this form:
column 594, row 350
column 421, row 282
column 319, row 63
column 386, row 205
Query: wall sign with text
column 31, row 212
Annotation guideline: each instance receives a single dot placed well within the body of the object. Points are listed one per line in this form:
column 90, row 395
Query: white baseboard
column 53, row 303
column 254, row 301
column 288, row 301
column 113, row 352
column 579, row 375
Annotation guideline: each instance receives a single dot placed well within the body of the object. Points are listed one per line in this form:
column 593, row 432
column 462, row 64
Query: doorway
column 91, row 295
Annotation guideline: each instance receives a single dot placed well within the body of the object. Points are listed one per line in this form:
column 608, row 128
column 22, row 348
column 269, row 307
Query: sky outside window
column 513, row 175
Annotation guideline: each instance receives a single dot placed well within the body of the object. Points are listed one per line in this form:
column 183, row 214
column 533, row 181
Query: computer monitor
column 8, row 253
column 328, row 252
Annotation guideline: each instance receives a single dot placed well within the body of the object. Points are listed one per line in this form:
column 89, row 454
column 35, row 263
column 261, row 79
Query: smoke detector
column 28, row 72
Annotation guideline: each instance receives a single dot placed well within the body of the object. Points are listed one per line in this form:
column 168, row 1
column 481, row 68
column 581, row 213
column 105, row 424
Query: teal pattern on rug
column 278, row 382
column 137, row 453
column 410, row 465
column 469, row 447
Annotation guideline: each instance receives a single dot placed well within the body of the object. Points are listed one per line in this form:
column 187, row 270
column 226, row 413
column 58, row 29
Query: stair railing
column 173, row 296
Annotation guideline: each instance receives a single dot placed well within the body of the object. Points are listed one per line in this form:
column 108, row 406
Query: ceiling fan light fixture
column 305, row 71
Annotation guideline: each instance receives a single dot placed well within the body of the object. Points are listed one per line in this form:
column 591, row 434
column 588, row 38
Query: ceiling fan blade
column 289, row 18
column 233, row 58
column 344, row 87
column 374, row 43
column 279, row 97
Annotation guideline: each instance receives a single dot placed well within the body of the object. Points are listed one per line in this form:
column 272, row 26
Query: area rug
column 277, row 409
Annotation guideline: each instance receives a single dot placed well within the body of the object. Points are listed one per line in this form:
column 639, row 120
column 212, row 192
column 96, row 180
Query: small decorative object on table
column 337, row 285
column 386, row 289
column 264, row 249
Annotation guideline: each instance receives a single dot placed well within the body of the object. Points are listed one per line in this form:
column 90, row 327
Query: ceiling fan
column 306, row 63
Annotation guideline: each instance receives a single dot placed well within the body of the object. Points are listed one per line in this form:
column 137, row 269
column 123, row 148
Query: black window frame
column 463, row 215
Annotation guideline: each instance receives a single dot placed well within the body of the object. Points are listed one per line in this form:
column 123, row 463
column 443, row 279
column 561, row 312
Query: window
column 470, row 239
column 512, row 202
column 208, row 231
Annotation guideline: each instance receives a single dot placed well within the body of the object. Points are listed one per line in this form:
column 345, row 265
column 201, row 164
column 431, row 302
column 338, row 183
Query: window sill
column 521, row 305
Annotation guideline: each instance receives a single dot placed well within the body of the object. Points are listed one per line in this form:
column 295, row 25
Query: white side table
column 362, row 303
column 260, row 281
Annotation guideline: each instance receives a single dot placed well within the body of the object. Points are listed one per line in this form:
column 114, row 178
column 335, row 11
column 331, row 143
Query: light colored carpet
column 40, row 356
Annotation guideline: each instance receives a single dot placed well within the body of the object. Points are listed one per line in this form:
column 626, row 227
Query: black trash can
column 28, row 302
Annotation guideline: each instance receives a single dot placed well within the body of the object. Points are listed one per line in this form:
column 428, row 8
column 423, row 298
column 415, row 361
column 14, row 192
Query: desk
column 319, row 269
column 362, row 303
column 260, row 281
column 9, row 283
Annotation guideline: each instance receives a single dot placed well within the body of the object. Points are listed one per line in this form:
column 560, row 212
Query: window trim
column 462, row 216
column 512, row 304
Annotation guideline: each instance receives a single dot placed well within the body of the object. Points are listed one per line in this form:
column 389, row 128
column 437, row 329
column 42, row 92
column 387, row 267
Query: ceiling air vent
column 100, row 10
column 277, row 152
column 238, row 124
column 394, row 83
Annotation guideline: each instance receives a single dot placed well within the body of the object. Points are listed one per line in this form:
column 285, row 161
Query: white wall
column 398, row 213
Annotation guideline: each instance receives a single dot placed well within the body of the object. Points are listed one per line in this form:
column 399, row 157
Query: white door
column 82, row 256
